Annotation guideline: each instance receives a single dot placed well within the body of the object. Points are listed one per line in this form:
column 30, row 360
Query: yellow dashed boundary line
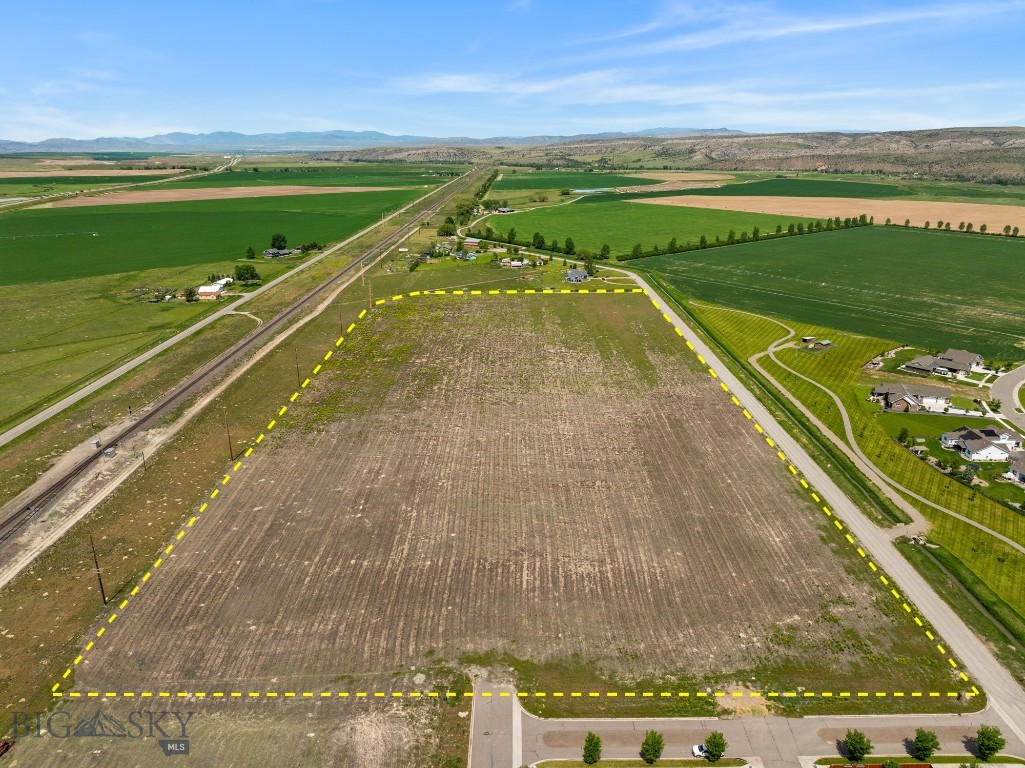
column 239, row 465
column 507, row 694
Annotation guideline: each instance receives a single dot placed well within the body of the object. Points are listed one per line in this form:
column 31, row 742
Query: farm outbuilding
column 576, row 276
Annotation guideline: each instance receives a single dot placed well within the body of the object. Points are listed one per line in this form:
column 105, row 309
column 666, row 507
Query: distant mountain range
column 229, row 141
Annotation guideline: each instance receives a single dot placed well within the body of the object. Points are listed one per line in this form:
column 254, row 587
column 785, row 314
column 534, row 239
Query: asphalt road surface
column 1005, row 389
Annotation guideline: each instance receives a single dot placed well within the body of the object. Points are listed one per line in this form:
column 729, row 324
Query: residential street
column 1005, row 389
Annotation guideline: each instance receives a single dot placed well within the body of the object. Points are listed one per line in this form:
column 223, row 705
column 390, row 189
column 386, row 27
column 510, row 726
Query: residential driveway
column 1005, row 389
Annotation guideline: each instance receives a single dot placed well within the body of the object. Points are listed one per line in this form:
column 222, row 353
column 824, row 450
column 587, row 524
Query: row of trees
column 792, row 230
column 967, row 228
column 653, row 746
column 988, row 742
column 538, row 242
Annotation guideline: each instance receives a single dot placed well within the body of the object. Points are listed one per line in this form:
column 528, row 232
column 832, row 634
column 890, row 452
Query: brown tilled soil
column 995, row 217
column 53, row 172
column 203, row 193
column 671, row 180
column 541, row 476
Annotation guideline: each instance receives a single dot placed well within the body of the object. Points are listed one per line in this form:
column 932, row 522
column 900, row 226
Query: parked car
column 698, row 750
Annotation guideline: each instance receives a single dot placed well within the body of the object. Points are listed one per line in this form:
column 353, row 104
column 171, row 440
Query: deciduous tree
column 926, row 744
column 716, row 745
column 278, row 241
column 250, row 253
column 651, row 748
column 989, row 741
column 857, row 745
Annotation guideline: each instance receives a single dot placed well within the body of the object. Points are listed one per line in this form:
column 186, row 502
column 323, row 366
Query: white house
column 990, row 443
column 209, row 292
column 1016, row 472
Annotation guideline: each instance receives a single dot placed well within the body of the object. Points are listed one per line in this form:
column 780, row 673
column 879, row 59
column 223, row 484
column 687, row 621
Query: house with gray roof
column 950, row 363
column 1016, row 471
column 993, row 442
column 912, row 397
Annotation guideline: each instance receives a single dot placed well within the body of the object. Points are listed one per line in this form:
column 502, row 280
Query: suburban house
column 576, row 275
column 224, row 282
column 277, row 253
column 949, row 363
column 506, row 210
column 209, row 292
column 911, row 398
column 990, row 443
column 1016, row 472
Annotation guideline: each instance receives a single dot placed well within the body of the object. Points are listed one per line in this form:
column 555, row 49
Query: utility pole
column 231, row 453
column 99, row 575
column 298, row 378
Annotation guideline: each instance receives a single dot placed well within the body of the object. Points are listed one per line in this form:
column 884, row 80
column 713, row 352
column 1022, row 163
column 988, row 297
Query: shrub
column 592, row 748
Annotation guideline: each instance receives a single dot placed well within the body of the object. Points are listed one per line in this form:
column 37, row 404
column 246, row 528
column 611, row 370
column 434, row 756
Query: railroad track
column 40, row 502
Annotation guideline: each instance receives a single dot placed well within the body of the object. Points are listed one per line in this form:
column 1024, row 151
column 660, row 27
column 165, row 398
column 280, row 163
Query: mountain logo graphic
column 100, row 725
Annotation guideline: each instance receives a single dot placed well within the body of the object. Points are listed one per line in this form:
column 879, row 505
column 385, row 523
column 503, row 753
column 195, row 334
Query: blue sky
column 506, row 67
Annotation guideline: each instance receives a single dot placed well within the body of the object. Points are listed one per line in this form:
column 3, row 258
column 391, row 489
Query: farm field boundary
column 239, row 465
column 181, row 195
column 996, row 217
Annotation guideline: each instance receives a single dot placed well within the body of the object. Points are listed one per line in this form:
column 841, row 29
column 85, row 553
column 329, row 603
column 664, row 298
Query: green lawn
column 621, row 224
column 840, row 369
column 523, row 179
column 931, row 290
column 52, row 244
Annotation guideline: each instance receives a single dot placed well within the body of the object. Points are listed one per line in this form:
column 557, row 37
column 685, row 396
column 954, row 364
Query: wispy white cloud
column 767, row 24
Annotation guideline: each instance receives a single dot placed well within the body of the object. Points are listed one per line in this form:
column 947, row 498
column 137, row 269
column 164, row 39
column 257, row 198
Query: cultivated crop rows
column 541, row 476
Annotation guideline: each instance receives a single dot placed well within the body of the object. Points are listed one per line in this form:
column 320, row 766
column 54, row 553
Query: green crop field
column 359, row 175
column 802, row 188
column 566, row 180
column 621, row 224
column 927, row 289
column 82, row 297
column 50, row 244
column 33, row 186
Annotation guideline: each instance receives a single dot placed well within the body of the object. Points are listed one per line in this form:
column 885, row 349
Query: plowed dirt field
column 540, row 476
